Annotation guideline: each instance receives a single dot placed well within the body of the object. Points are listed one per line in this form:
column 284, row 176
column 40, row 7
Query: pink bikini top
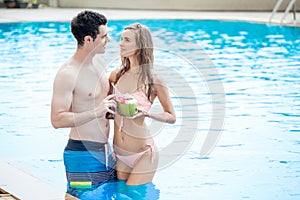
column 143, row 101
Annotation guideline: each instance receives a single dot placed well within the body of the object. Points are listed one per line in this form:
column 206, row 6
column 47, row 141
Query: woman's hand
column 139, row 113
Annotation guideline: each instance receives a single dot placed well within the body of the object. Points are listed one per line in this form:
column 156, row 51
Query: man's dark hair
column 87, row 23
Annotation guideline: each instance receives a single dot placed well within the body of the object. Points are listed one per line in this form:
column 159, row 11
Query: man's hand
column 107, row 105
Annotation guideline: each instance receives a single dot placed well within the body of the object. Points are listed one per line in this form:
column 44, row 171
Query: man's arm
column 61, row 114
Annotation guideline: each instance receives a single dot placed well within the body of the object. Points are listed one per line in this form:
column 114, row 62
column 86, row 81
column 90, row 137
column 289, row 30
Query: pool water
column 235, row 80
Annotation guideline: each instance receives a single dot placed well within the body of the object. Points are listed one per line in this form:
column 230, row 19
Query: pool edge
column 25, row 186
column 66, row 14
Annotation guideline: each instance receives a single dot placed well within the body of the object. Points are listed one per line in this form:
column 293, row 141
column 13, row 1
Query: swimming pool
column 257, row 156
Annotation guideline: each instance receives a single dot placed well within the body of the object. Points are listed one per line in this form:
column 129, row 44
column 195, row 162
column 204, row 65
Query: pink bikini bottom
column 131, row 160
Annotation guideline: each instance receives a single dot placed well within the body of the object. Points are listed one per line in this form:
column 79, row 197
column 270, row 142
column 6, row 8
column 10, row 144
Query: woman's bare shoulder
column 157, row 79
column 113, row 75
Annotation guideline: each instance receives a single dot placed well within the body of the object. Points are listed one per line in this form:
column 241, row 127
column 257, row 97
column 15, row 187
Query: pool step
column 15, row 184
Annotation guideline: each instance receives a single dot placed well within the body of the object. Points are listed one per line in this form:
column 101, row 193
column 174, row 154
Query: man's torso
column 91, row 87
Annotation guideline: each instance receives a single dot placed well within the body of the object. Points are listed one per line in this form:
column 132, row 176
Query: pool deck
column 19, row 183
column 59, row 14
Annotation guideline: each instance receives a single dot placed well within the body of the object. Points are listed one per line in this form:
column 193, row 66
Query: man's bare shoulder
column 67, row 74
column 68, row 70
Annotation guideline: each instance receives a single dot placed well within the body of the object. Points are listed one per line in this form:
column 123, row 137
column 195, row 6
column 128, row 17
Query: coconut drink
column 127, row 105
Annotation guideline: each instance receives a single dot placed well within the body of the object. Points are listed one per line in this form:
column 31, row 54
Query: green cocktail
column 127, row 106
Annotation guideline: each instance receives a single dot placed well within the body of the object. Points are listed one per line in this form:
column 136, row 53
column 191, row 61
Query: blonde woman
column 135, row 151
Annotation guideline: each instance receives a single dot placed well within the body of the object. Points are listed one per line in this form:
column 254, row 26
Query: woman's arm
column 162, row 92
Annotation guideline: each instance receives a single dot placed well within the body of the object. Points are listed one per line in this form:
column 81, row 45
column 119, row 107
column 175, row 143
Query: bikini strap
column 121, row 123
column 151, row 147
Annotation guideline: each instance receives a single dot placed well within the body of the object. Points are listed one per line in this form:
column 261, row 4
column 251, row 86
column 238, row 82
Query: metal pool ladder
column 287, row 10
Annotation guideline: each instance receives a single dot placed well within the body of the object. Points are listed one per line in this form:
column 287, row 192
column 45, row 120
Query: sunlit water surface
column 258, row 153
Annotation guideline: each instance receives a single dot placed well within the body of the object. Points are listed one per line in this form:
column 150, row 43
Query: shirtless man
column 80, row 102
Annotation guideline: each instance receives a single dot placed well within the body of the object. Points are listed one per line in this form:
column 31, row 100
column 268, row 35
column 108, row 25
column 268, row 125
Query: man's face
column 101, row 40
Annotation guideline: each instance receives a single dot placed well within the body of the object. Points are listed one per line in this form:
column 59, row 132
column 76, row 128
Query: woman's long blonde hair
column 144, row 55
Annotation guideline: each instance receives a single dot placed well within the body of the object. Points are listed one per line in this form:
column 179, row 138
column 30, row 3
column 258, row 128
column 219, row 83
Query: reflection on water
column 119, row 190
column 257, row 156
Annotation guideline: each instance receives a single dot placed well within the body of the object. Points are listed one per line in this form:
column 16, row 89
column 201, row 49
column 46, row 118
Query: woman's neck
column 134, row 64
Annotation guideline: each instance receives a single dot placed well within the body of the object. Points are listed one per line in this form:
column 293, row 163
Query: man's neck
column 83, row 57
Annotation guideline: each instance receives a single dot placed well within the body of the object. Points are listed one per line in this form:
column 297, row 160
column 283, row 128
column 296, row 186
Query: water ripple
column 260, row 73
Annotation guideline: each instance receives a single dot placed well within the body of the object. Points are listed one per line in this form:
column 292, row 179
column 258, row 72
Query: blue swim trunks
column 88, row 164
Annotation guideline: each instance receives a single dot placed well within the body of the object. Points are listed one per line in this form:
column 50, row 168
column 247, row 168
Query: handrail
column 287, row 10
column 275, row 9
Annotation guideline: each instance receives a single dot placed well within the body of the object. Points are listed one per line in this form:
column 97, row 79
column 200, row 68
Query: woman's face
column 128, row 46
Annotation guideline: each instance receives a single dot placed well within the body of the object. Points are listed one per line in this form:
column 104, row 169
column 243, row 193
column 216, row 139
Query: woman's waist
column 126, row 147
column 129, row 144
column 132, row 133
